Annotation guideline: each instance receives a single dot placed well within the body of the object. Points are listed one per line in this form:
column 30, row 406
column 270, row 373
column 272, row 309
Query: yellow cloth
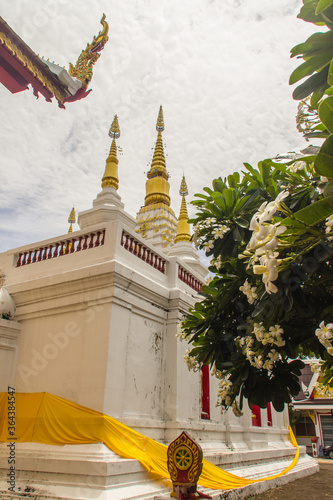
column 48, row 419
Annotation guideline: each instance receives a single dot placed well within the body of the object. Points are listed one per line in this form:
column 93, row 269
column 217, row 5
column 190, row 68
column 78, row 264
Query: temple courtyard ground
column 315, row 487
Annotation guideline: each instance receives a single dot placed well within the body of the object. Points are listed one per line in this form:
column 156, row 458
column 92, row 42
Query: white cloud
column 220, row 69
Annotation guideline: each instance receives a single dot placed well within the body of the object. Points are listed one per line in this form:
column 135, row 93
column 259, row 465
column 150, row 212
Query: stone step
column 108, row 477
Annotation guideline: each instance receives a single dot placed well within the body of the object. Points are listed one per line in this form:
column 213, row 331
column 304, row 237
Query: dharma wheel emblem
column 185, row 466
column 183, row 458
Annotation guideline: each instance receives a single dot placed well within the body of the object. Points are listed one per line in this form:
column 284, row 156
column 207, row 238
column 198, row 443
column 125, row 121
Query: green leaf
column 327, row 16
column 219, row 185
column 229, row 197
column 237, row 234
column 231, row 181
column 242, row 222
column 296, row 366
column 321, row 127
column 312, row 214
column 308, row 13
column 325, row 111
column 315, row 44
column 322, row 5
column 220, row 201
column 330, row 73
column 315, row 98
column 317, row 135
column 328, row 191
column 313, row 64
column 318, row 81
column 324, row 161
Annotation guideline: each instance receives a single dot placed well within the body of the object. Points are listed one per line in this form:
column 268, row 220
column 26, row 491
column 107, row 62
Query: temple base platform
column 82, row 472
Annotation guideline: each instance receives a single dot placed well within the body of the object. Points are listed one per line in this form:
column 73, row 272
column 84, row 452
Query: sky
column 219, row 68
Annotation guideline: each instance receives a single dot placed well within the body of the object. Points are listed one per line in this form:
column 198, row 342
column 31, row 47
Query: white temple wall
column 144, row 367
column 9, row 334
column 99, row 328
column 64, row 354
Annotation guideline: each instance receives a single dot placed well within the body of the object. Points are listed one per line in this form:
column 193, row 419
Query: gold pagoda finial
column 157, row 185
column 160, row 120
column 183, row 228
column 71, row 220
column 183, row 187
column 110, row 177
column 114, row 131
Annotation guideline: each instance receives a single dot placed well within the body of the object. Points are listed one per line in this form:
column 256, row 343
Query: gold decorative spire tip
column 160, row 121
column 183, row 191
column 114, row 131
column 72, row 216
column 110, row 177
column 183, row 229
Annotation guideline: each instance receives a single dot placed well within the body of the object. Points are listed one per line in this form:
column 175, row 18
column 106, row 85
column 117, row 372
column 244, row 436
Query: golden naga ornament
column 83, row 68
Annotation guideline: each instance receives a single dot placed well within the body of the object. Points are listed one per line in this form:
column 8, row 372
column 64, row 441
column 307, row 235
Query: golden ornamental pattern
column 83, row 69
column 31, row 67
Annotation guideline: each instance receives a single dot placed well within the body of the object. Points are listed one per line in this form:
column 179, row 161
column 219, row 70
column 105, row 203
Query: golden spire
column 183, row 228
column 110, row 177
column 157, row 185
column 71, row 220
column 160, row 120
column 114, row 131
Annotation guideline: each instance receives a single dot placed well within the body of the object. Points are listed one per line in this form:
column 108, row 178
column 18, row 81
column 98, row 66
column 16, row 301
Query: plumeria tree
column 269, row 233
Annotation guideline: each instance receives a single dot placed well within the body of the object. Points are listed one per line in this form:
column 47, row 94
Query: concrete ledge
column 84, row 472
column 305, row 467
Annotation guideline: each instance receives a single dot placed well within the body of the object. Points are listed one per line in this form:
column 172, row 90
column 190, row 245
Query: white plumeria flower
column 281, row 196
column 268, row 213
column 236, row 409
column 298, row 165
column 274, row 355
column 249, row 291
column 258, row 360
column 267, row 268
column 252, row 295
column 245, row 287
column 261, row 209
column 191, row 363
column 260, row 232
column 268, row 365
column 274, row 205
column 274, row 232
column 316, row 366
column 220, row 231
column 269, row 271
column 329, row 223
column 324, row 332
column 268, row 339
column 276, row 331
column 208, row 245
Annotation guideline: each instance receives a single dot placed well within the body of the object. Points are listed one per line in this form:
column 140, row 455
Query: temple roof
column 20, row 66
